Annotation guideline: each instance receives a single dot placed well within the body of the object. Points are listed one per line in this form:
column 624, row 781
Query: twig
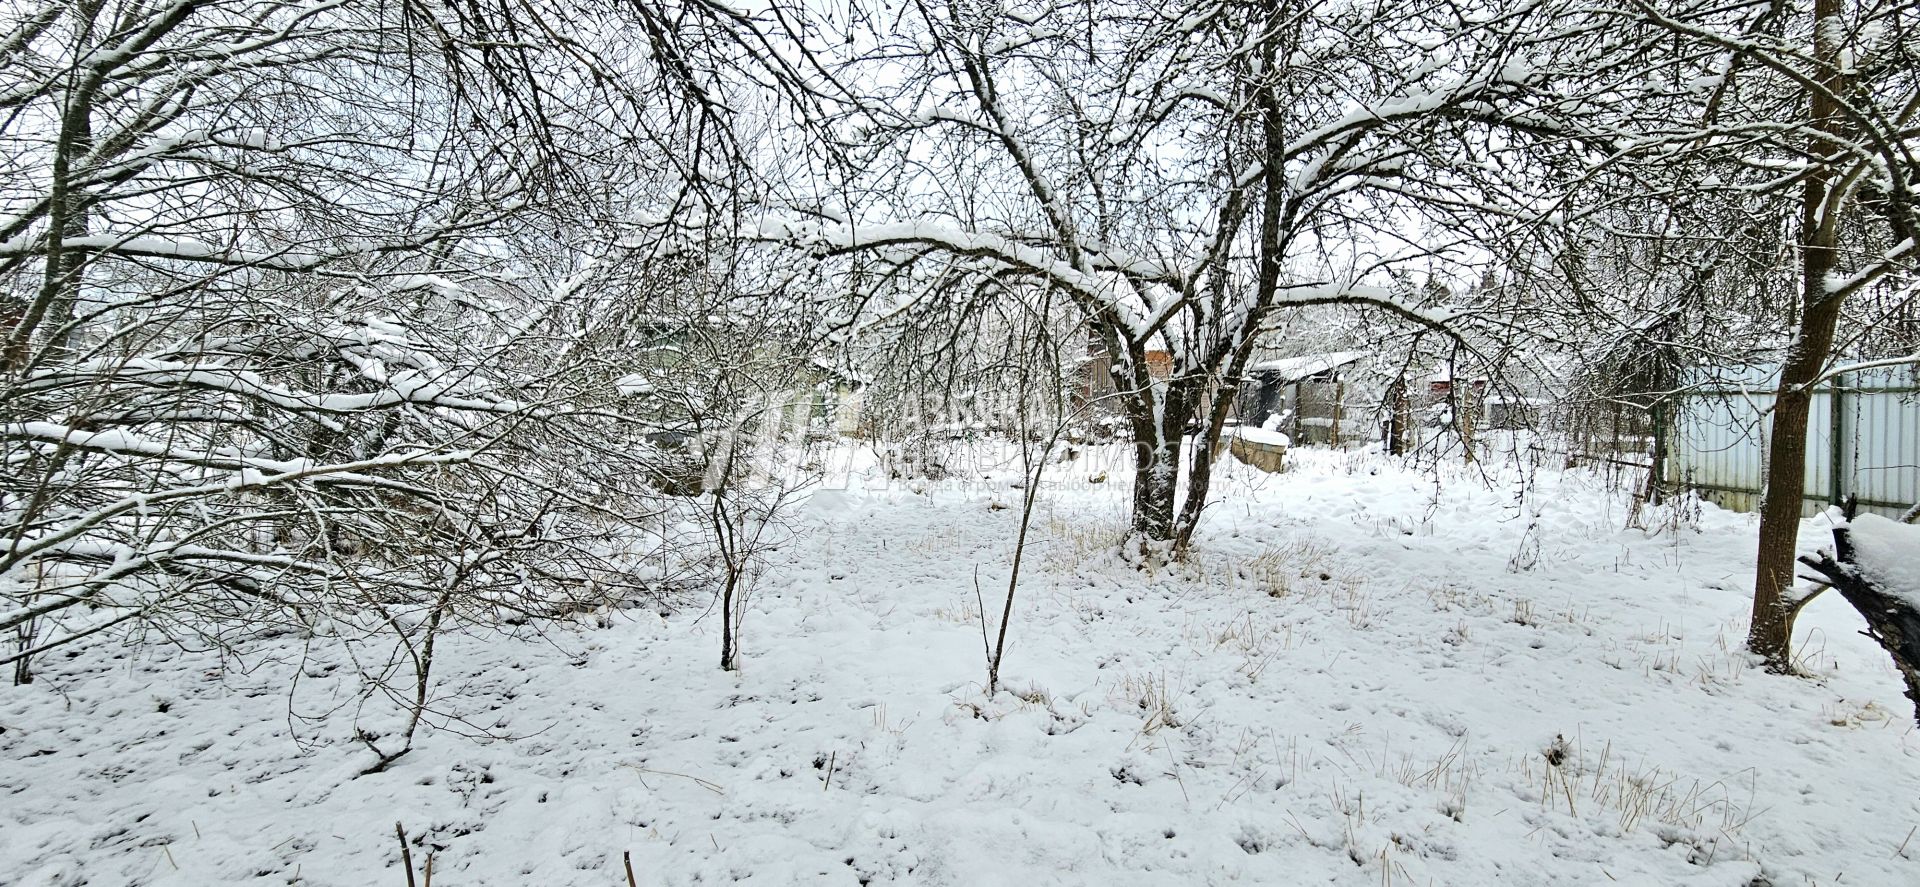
column 1176, row 774
column 385, row 759
column 703, row 783
column 1902, row 849
column 986, row 645
column 626, row 858
column 406, row 853
column 831, row 758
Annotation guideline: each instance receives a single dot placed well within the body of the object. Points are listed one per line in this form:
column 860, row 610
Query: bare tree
column 1790, row 131
column 743, row 389
column 1181, row 175
column 302, row 333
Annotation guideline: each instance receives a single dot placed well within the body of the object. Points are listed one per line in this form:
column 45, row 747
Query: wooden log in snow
column 1892, row 613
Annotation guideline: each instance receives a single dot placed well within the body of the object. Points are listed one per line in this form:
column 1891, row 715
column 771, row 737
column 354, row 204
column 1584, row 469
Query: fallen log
column 1875, row 565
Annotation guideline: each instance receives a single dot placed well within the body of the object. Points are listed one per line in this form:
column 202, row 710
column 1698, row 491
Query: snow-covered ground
column 1365, row 676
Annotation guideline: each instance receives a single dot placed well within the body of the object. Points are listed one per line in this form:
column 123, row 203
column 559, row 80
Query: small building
column 1312, row 398
column 839, row 397
column 1503, row 407
column 1096, row 390
column 1096, row 384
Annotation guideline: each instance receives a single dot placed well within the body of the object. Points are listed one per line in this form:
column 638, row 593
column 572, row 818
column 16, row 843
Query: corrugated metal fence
column 1863, row 438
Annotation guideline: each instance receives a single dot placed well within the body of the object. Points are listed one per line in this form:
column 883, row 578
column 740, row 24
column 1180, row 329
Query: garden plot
column 1364, row 675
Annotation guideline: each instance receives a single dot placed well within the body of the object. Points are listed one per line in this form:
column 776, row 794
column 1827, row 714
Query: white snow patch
column 1889, row 552
column 1365, row 675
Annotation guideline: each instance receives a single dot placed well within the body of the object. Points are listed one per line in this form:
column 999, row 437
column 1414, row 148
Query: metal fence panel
column 1863, row 438
column 1883, row 412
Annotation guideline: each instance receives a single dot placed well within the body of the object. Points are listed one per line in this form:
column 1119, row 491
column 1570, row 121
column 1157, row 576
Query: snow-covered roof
column 1263, row 436
column 1307, row 364
column 840, row 371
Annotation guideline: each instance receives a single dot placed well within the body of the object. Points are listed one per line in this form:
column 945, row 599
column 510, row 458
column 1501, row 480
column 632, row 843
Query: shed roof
column 1305, row 365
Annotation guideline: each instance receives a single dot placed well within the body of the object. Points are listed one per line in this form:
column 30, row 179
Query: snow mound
column 1264, row 436
column 1889, row 553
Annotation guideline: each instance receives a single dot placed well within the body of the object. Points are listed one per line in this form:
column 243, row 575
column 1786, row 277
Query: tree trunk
column 1399, row 417
column 1657, row 458
column 1206, row 449
column 1785, row 482
column 729, row 644
column 68, row 212
column 23, row 666
column 1158, row 426
column 1200, row 474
